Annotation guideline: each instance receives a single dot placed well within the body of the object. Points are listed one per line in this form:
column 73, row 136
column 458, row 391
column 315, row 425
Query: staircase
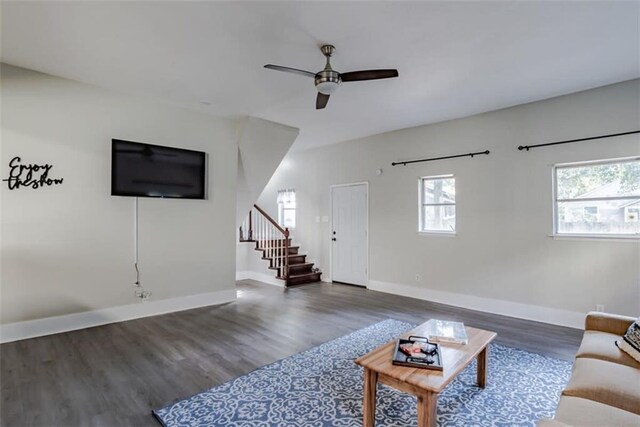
column 276, row 247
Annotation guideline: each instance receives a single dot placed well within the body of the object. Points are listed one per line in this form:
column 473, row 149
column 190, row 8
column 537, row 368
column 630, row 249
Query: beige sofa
column 604, row 389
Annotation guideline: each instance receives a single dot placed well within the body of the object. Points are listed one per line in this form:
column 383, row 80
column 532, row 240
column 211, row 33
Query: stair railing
column 269, row 236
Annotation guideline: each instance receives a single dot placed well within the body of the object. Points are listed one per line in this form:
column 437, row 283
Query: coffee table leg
column 427, row 414
column 369, row 404
column 482, row 367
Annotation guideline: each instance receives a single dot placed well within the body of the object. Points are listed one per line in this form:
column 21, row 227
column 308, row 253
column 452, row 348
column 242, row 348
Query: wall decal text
column 29, row 175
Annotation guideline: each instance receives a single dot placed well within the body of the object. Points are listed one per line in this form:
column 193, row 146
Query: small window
column 287, row 208
column 438, row 204
column 598, row 198
column 632, row 214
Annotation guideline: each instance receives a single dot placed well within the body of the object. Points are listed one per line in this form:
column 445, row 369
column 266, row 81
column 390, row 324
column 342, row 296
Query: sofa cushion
column 605, row 382
column 602, row 345
column 583, row 412
column 630, row 342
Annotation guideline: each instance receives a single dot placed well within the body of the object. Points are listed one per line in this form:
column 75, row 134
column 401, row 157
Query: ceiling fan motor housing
column 327, row 81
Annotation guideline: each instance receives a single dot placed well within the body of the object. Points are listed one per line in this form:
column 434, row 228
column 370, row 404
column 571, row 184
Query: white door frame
column 350, row 184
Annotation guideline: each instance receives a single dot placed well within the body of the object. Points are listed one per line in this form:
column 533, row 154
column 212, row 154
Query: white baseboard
column 553, row 316
column 260, row 277
column 71, row 322
column 243, row 275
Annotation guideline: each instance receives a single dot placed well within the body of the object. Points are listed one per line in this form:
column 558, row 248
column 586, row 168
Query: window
column 287, row 208
column 438, row 204
column 632, row 214
column 598, row 198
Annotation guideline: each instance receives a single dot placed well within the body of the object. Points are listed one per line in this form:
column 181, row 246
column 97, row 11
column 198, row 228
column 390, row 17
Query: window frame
column 627, row 209
column 555, row 200
column 421, row 206
column 282, row 209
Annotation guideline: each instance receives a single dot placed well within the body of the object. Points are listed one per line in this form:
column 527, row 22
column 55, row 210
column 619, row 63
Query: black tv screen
column 146, row 170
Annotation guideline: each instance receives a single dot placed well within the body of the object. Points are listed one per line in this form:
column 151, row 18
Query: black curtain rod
column 440, row 158
column 611, row 135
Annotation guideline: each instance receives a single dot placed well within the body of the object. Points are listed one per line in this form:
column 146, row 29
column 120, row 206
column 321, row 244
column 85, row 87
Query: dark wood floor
column 114, row 375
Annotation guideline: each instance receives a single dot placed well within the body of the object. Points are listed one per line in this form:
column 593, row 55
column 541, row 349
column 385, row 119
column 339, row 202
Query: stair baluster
column 285, row 253
column 271, row 236
column 279, row 260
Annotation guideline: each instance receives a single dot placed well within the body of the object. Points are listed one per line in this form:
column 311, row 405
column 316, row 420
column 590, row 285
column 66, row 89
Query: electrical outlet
column 417, row 277
column 142, row 294
column 600, row 308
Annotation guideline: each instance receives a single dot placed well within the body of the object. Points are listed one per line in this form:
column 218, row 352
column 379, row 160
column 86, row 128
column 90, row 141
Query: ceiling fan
column 328, row 80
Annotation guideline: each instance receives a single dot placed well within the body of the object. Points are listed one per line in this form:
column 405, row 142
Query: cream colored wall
column 261, row 147
column 69, row 248
column 502, row 250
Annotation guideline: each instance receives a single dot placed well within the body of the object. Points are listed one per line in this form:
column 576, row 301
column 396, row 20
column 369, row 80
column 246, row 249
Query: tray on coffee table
column 417, row 352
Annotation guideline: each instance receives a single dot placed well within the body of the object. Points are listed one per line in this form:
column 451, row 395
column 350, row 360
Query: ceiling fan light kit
column 328, row 80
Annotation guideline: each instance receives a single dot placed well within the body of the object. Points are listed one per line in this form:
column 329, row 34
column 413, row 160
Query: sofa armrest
column 606, row 322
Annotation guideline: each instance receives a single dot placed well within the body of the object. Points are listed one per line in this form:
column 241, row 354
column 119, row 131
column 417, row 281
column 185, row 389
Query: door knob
column 334, row 239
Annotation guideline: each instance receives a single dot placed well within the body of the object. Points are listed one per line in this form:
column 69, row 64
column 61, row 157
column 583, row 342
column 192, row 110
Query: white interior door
column 349, row 234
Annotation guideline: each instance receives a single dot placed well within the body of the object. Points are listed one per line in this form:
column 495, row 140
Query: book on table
column 446, row 331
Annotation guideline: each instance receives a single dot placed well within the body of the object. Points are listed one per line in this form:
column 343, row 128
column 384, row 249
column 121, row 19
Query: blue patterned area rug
column 323, row 387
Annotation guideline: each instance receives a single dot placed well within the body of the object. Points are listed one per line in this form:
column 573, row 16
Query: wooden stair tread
column 300, row 276
column 282, row 256
column 301, row 265
column 297, row 276
column 277, row 248
column 302, row 279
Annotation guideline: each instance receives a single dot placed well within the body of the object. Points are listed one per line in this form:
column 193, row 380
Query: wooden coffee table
column 423, row 383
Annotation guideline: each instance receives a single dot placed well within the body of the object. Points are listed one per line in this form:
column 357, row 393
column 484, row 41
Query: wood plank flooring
column 114, row 375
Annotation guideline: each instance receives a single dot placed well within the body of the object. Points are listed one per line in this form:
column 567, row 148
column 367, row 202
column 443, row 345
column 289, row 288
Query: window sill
column 597, row 237
column 438, row 233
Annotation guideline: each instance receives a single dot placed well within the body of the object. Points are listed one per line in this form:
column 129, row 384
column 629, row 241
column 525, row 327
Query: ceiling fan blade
column 290, row 70
column 321, row 101
column 355, row 76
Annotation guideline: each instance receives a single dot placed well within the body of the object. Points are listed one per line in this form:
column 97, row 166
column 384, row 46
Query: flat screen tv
column 146, row 170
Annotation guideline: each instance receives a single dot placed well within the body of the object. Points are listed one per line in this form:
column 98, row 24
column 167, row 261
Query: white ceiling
column 454, row 58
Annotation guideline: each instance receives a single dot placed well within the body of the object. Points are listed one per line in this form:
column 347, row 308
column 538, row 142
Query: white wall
column 502, row 258
column 261, row 147
column 69, row 248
